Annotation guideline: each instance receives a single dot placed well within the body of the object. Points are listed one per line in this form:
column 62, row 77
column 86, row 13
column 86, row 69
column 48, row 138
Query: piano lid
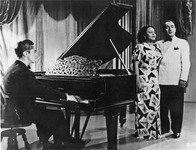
column 93, row 43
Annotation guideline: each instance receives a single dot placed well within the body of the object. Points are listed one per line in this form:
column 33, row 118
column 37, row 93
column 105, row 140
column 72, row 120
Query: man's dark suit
column 21, row 88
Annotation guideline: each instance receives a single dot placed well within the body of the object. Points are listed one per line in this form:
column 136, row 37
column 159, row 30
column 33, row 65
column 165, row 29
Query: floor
column 96, row 132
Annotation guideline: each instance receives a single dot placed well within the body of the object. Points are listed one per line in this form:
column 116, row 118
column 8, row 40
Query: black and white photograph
column 98, row 74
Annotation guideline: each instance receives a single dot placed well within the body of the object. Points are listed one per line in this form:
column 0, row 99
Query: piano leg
column 68, row 117
column 76, row 125
column 111, row 125
column 122, row 118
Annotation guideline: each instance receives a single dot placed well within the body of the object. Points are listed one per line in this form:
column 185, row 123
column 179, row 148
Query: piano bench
column 12, row 132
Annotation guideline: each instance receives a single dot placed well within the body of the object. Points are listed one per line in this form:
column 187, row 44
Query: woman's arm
column 136, row 63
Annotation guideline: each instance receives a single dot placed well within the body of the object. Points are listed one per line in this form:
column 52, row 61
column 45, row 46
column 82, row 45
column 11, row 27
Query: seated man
column 21, row 89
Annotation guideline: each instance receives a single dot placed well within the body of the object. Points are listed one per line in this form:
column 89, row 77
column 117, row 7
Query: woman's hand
column 139, row 87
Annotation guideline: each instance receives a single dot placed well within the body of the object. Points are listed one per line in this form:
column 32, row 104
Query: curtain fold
column 51, row 25
column 185, row 17
column 9, row 10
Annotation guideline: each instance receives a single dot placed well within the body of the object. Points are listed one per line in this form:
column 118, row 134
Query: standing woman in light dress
column 146, row 59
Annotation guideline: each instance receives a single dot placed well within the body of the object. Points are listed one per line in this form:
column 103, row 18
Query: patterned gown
column 147, row 111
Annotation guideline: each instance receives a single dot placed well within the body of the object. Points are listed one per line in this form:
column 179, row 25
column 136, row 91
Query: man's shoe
column 73, row 144
column 176, row 135
column 49, row 146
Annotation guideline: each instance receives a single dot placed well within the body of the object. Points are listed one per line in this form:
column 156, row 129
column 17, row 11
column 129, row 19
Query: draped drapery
column 52, row 25
column 185, row 17
column 180, row 11
column 9, row 10
column 11, row 32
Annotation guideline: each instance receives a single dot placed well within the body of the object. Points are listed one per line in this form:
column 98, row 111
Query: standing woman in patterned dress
column 146, row 59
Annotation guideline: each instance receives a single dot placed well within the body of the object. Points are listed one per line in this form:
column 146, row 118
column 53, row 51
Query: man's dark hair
column 163, row 27
column 23, row 46
column 142, row 33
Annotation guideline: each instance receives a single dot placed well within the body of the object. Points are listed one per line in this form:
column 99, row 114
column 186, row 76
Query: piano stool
column 12, row 132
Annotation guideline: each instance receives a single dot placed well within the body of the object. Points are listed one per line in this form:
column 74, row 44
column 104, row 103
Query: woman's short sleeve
column 137, row 53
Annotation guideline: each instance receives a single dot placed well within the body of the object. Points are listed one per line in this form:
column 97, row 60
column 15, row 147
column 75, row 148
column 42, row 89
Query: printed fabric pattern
column 147, row 110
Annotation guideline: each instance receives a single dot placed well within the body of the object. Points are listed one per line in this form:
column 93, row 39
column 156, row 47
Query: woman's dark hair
column 22, row 46
column 142, row 33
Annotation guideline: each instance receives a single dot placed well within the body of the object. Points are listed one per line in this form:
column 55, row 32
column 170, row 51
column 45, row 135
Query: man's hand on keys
column 73, row 98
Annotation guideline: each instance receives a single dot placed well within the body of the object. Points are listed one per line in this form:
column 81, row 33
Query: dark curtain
column 182, row 12
column 9, row 10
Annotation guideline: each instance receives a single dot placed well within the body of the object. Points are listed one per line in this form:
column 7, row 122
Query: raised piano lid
column 93, row 43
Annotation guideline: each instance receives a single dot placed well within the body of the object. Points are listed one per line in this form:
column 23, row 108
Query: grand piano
column 110, row 90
